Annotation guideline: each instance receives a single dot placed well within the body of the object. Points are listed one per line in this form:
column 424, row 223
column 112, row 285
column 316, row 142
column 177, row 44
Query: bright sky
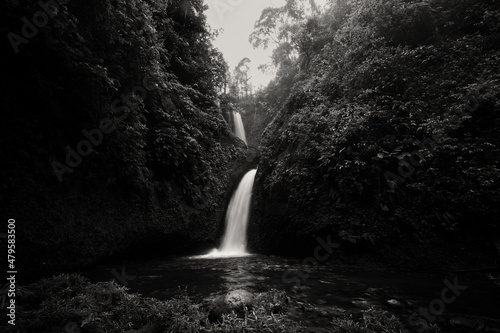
column 237, row 18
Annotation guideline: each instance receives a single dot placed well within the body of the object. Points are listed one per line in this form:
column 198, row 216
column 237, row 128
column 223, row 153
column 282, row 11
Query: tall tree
column 281, row 28
column 241, row 76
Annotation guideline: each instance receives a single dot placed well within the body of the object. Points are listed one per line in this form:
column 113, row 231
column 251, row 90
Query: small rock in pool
column 300, row 288
column 239, row 297
column 395, row 302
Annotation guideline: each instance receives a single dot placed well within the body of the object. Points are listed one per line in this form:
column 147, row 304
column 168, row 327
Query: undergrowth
column 70, row 303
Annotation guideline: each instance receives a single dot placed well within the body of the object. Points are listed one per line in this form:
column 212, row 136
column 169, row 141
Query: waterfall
column 235, row 236
column 239, row 130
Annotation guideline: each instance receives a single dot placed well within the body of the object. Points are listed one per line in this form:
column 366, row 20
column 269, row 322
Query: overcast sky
column 237, row 18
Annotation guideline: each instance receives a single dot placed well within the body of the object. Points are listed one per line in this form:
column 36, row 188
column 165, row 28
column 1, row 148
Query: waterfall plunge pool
column 320, row 294
column 330, row 289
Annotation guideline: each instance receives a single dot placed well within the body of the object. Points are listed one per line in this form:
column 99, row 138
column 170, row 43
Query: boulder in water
column 238, row 298
column 233, row 301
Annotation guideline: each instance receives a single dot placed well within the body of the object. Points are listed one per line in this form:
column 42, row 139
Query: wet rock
column 238, row 298
column 395, row 303
column 361, row 303
column 233, row 301
column 296, row 289
column 307, row 307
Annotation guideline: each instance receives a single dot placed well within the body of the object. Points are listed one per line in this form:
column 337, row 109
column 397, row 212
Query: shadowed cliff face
column 109, row 140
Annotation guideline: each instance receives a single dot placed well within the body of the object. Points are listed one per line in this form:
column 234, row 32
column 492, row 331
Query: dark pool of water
column 328, row 289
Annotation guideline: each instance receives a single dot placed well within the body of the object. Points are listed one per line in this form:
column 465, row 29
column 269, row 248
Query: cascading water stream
column 239, row 130
column 235, row 236
column 237, row 214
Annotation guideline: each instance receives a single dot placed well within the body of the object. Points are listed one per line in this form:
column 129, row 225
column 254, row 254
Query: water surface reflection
column 329, row 288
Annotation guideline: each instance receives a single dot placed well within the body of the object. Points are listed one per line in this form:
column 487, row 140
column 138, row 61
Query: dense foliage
column 110, row 131
column 72, row 304
column 388, row 124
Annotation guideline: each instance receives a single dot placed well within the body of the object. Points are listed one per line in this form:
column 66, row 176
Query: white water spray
column 235, row 236
column 237, row 214
column 239, row 130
